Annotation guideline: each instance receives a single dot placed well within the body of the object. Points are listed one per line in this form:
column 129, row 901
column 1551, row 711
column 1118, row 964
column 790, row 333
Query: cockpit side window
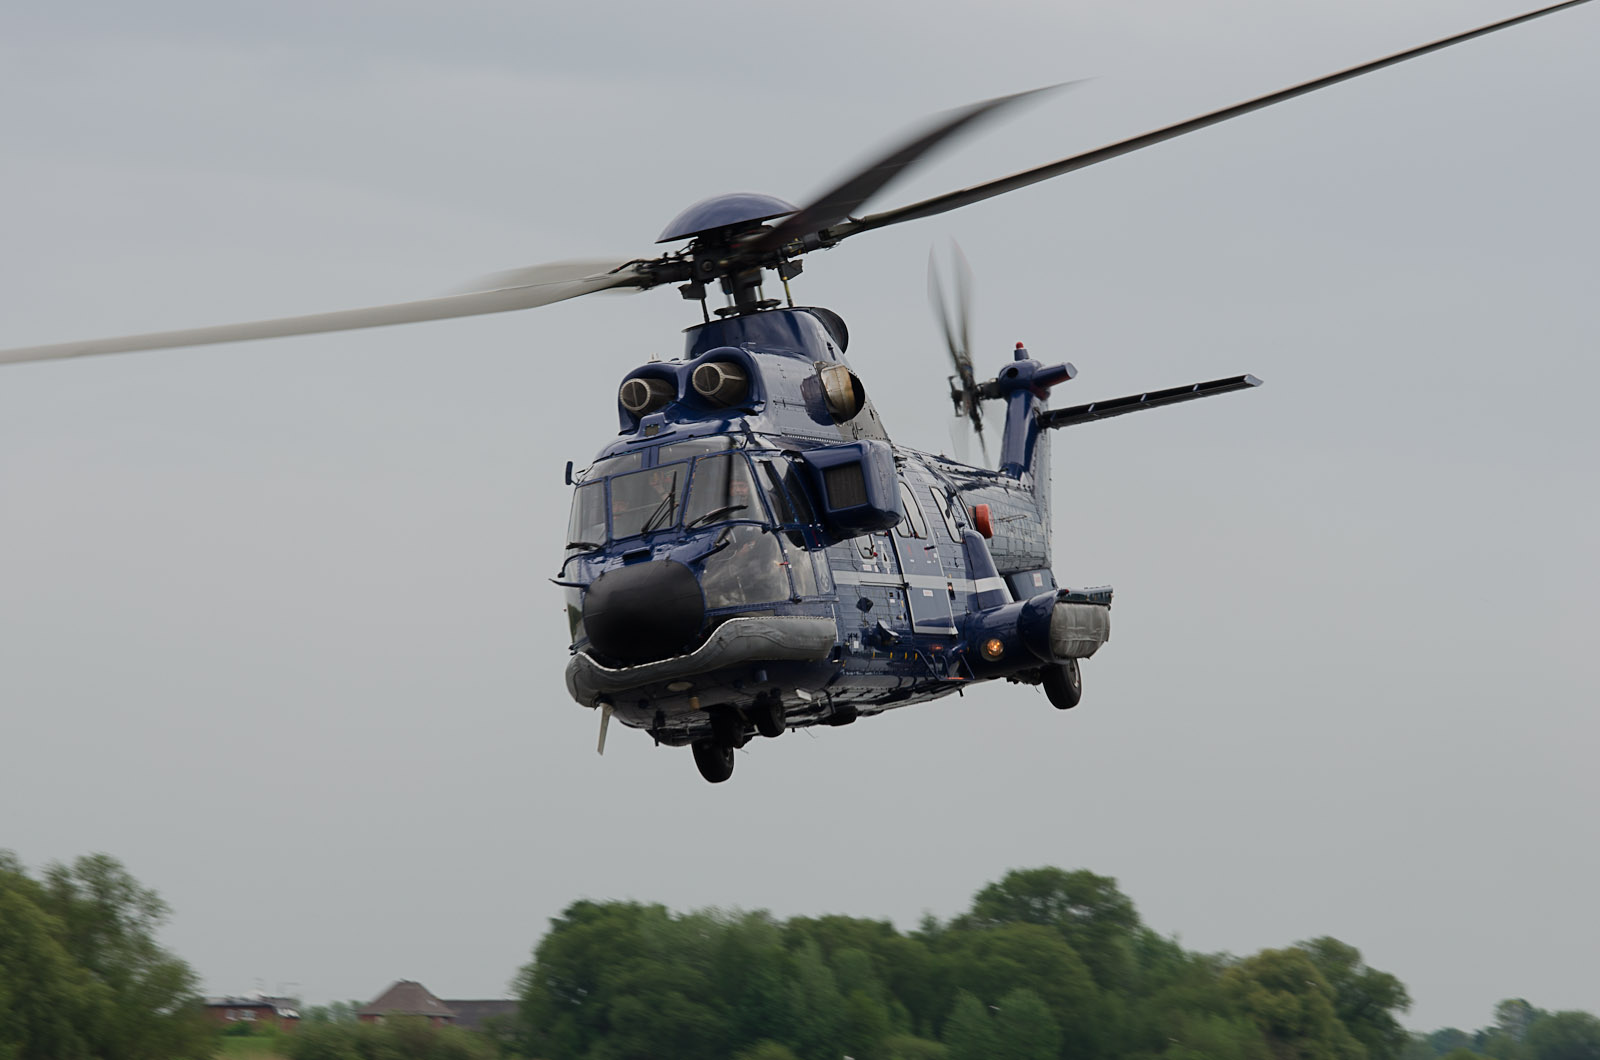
column 724, row 491
column 797, row 493
column 786, row 494
column 747, row 568
column 644, row 501
column 587, row 529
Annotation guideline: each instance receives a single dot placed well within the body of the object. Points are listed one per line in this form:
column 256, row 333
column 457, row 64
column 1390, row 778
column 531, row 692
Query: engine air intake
column 642, row 396
column 722, row 383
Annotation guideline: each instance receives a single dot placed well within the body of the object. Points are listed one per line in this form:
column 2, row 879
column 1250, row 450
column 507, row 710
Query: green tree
column 81, row 973
column 396, row 1038
column 751, row 978
column 910, row 1047
column 333, row 1012
column 1513, row 1017
column 865, row 1025
column 1096, row 918
column 612, row 981
column 1291, row 1004
column 47, row 1001
column 1213, row 1036
column 767, row 1050
column 993, row 962
column 1565, row 1036
column 816, row 1005
column 1448, row 1040
column 1024, row 1028
column 968, row 1031
column 1365, row 1000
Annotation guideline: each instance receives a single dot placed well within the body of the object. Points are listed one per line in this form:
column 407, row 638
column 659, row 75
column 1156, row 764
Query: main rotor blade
column 840, row 202
column 526, row 289
column 1153, row 399
column 978, row 192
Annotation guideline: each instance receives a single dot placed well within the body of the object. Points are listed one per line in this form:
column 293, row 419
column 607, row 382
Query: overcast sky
column 275, row 628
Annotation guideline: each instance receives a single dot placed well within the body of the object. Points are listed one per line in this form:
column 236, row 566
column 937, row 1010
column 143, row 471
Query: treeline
column 1046, row 964
column 81, row 975
column 1519, row 1032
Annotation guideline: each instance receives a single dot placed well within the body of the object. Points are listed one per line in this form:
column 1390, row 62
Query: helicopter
column 752, row 553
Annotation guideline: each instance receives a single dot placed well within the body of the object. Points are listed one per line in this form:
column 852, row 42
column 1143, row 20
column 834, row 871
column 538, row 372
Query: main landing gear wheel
column 1063, row 684
column 714, row 760
column 727, row 727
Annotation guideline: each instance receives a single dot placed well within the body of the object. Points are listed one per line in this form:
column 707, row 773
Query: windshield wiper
column 587, row 546
column 717, row 513
column 664, row 511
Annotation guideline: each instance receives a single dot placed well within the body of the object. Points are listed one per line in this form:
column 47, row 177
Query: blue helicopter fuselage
column 754, row 545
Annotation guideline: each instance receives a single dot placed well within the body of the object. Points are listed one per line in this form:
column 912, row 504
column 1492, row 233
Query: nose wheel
column 714, row 760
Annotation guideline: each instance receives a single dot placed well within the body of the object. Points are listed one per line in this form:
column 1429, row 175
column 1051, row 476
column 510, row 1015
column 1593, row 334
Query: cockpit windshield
column 722, row 489
column 646, row 500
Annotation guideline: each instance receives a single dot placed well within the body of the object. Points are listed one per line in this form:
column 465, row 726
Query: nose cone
column 644, row 611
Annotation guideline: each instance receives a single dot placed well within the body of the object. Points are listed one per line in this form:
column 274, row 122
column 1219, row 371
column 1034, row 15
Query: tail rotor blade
column 957, row 328
column 963, row 282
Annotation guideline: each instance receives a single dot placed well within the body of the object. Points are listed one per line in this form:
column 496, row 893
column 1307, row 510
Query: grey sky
column 274, row 623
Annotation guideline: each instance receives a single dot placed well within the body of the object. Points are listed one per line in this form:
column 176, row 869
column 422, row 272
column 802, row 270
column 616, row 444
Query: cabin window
column 587, row 528
column 747, row 568
column 646, row 500
column 724, row 490
column 912, row 525
column 943, row 504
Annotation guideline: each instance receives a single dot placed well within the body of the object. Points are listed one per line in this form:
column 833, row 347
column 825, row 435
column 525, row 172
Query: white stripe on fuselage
column 921, row 581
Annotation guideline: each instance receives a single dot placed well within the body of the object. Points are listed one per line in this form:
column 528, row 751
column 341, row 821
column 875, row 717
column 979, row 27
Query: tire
column 769, row 719
column 727, row 727
column 1063, row 684
column 714, row 762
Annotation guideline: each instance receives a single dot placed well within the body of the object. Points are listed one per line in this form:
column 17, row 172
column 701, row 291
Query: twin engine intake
column 721, row 384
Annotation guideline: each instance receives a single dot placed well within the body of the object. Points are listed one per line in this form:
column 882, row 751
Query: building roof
column 409, row 998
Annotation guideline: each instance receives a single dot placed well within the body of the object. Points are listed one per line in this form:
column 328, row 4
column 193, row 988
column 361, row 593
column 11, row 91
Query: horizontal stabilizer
column 1099, row 410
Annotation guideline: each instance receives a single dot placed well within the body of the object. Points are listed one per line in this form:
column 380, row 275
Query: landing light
column 992, row 649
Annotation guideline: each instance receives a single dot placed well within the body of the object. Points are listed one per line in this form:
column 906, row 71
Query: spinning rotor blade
column 958, row 338
column 521, row 289
column 836, row 205
column 978, row 192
